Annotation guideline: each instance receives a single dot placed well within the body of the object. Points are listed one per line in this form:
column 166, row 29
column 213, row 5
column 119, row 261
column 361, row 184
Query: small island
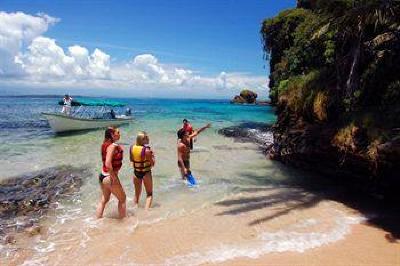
column 248, row 97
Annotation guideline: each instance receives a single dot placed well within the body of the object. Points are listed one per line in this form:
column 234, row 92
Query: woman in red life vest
column 111, row 155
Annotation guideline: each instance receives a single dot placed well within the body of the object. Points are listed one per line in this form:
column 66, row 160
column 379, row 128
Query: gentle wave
column 268, row 242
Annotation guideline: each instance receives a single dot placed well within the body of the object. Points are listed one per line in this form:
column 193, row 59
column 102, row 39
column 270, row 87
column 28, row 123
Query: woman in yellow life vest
column 142, row 158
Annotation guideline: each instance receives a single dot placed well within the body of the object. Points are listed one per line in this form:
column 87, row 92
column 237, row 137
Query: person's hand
column 208, row 125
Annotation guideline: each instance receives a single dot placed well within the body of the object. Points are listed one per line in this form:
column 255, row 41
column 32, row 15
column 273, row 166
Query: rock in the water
column 259, row 133
column 24, row 199
column 246, row 96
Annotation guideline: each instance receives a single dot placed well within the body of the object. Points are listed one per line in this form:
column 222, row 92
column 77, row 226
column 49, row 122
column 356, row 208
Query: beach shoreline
column 254, row 212
column 307, row 222
column 245, row 229
column 365, row 245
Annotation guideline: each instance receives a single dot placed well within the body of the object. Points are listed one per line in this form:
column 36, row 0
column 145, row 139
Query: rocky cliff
column 335, row 80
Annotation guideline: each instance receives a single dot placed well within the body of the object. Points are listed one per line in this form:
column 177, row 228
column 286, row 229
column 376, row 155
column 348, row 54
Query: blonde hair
column 141, row 138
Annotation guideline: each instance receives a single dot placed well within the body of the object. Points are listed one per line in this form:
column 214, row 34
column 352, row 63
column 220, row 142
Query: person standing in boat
column 143, row 160
column 112, row 114
column 67, row 104
column 111, row 156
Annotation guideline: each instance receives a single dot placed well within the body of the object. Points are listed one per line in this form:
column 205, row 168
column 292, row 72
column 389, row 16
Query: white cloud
column 16, row 31
column 99, row 65
column 44, row 60
column 29, row 59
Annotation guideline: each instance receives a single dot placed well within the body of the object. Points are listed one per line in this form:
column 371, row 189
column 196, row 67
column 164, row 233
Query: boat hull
column 63, row 123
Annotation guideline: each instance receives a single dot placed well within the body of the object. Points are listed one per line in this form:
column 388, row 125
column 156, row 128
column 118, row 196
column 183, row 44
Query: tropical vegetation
column 334, row 65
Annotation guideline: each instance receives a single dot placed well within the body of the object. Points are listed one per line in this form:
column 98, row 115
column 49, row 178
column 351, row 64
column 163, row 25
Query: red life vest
column 116, row 158
column 188, row 128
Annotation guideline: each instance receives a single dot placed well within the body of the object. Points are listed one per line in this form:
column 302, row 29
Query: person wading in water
column 142, row 158
column 184, row 149
column 111, row 156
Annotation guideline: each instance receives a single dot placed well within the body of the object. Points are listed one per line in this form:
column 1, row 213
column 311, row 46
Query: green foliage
column 283, row 85
column 248, row 94
column 354, row 45
column 297, row 91
column 329, row 52
column 277, row 31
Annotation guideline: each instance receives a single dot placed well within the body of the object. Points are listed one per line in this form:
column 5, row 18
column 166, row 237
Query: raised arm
column 197, row 131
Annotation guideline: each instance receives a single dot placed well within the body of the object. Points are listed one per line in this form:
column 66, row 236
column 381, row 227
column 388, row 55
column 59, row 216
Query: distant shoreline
column 144, row 98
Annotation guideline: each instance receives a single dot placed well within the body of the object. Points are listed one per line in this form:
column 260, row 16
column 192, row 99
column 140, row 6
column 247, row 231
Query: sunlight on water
column 224, row 169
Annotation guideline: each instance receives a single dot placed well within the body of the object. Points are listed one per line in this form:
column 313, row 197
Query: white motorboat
column 62, row 123
column 80, row 120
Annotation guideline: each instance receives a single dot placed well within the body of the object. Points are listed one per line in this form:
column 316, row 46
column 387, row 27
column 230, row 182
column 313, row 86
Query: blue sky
column 209, row 38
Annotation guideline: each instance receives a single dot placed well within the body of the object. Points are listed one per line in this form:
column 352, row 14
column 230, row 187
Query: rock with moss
column 245, row 97
column 334, row 80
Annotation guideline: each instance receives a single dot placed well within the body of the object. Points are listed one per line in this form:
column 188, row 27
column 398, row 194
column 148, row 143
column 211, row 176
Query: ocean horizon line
column 103, row 96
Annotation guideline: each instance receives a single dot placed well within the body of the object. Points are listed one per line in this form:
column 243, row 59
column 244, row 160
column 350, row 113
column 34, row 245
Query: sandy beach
column 258, row 132
column 256, row 212
column 246, row 229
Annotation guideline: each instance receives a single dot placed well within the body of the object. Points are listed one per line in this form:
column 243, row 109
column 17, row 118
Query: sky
column 173, row 49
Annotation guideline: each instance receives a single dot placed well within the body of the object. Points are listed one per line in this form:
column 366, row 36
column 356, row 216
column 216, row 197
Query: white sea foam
column 35, row 262
column 268, row 242
column 44, row 246
column 265, row 137
column 306, row 223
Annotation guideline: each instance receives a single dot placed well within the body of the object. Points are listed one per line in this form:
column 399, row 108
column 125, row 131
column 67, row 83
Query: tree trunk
column 353, row 78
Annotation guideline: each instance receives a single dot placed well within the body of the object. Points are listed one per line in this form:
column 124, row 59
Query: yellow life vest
column 138, row 158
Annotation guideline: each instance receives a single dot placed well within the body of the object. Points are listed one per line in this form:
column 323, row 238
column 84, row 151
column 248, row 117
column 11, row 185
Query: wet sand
column 365, row 245
column 257, row 226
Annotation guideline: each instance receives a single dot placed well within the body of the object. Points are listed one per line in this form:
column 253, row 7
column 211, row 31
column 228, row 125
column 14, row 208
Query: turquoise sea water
column 223, row 167
column 27, row 142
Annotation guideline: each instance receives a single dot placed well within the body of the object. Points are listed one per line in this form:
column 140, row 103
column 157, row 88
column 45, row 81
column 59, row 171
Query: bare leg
column 182, row 173
column 148, row 185
column 105, row 197
column 138, row 189
column 118, row 191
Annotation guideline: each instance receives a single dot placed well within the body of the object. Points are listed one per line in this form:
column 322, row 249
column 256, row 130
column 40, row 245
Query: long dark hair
column 108, row 134
column 181, row 133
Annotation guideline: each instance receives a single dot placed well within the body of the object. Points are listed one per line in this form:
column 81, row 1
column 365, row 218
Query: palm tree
column 364, row 21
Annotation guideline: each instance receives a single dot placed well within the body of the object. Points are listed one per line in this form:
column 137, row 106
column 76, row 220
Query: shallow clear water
column 223, row 167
